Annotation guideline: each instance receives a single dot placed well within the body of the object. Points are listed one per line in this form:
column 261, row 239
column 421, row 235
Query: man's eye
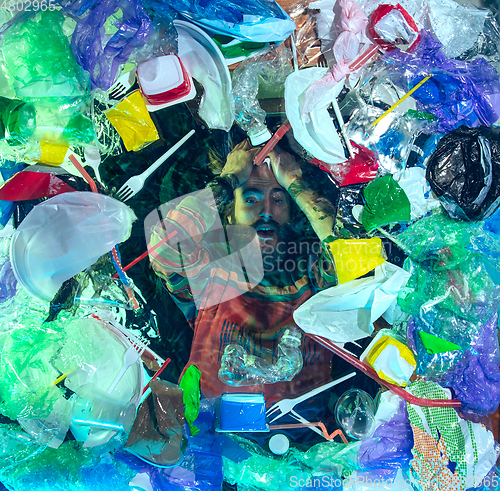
column 278, row 200
column 251, row 200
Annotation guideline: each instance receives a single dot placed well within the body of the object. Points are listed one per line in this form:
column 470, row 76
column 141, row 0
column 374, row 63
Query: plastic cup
column 99, row 409
column 355, row 413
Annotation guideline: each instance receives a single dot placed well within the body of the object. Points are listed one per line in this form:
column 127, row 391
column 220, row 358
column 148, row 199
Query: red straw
column 142, row 256
column 310, row 425
column 367, row 370
column 167, row 361
column 84, row 173
column 272, row 143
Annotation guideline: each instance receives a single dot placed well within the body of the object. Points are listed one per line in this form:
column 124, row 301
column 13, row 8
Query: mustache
column 270, row 223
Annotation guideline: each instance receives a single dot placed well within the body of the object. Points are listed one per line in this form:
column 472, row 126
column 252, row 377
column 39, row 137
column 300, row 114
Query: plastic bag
column 107, row 35
column 156, row 436
column 259, row 21
column 354, row 258
column 385, row 202
column 72, row 231
column 475, row 379
column 447, row 449
column 270, row 66
column 316, row 133
column 346, row 312
column 133, row 122
column 39, row 63
column 458, row 93
column 464, row 172
column 390, row 445
column 240, row 368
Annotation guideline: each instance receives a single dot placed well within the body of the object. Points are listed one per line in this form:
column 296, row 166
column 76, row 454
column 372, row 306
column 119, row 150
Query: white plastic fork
column 132, row 354
column 121, row 86
column 286, row 405
column 136, row 183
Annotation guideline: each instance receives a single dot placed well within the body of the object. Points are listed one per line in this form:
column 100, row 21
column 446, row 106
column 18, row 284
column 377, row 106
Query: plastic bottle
column 270, row 66
column 240, row 368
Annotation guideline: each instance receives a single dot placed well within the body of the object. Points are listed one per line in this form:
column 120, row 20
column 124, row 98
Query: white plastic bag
column 346, row 312
column 64, row 236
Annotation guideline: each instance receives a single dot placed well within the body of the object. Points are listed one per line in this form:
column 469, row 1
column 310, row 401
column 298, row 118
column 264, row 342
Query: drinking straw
column 167, row 361
column 396, row 104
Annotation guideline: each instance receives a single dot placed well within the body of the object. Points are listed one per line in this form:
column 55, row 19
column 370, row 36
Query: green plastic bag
column 385, row 202
column 39, row 63
column 190, row 385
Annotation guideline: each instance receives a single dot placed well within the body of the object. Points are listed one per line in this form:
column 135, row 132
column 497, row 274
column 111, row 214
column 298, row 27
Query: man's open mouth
column 265, row 231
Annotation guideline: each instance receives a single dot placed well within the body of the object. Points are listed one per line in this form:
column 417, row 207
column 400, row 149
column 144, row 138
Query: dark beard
column 274, row 258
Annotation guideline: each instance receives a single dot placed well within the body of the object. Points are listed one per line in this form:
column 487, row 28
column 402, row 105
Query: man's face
column 263, row 204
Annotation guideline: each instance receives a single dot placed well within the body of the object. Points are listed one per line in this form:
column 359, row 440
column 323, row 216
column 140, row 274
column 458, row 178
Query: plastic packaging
column 271, row 66
column 447, row 449
column 352, row 21
column 464, row 172
column 190, row 385
column 156, row 436
column 240, row 368
column 253, row 20
column 458, row 93
column 355, row 413
column 475, row 379
column 390, row 445
column 133, row 122
column 316, row 133
column 107, row 35
column 385, row 202
column 390, row 357
column 72, row 231
column 39, row 63
column 354, row 258
column 17, row 120
column 346, row 312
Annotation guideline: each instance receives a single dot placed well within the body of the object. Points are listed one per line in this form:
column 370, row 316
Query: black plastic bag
column 464, row 172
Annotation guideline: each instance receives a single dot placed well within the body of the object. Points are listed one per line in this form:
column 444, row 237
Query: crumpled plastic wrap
column 458, row 93
column 390, row 445
column 26, row 465
column 107, row 35
column 475, row 379
column 39, row 63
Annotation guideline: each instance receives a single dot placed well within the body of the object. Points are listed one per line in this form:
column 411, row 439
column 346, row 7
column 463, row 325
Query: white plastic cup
column 99, row 409
column 355, row 413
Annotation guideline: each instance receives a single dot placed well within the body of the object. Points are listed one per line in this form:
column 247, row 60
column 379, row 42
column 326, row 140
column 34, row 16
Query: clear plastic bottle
column 272, row 66
column 240, row 368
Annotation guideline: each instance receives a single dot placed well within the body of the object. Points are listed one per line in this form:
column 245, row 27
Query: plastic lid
column 279, row 444
column 260, row 137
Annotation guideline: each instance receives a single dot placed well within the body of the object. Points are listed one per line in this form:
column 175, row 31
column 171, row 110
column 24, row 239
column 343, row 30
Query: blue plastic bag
column 260, row 21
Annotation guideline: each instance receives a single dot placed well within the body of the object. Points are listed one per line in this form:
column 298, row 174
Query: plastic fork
column 132, row 354
column 286, row 405
column 136, row 183
column 121, row 86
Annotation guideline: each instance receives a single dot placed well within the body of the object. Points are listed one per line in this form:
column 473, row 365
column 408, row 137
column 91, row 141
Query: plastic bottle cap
column 279, row 444
column 260, row 137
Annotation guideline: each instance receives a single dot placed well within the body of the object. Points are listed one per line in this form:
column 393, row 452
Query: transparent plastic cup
column 355, row 413
column 99, row 409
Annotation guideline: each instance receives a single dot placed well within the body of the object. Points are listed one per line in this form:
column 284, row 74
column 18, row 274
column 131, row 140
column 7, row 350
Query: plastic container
column 243, row 412
column 164, row 81
column 355, row 413
column 101, row 410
